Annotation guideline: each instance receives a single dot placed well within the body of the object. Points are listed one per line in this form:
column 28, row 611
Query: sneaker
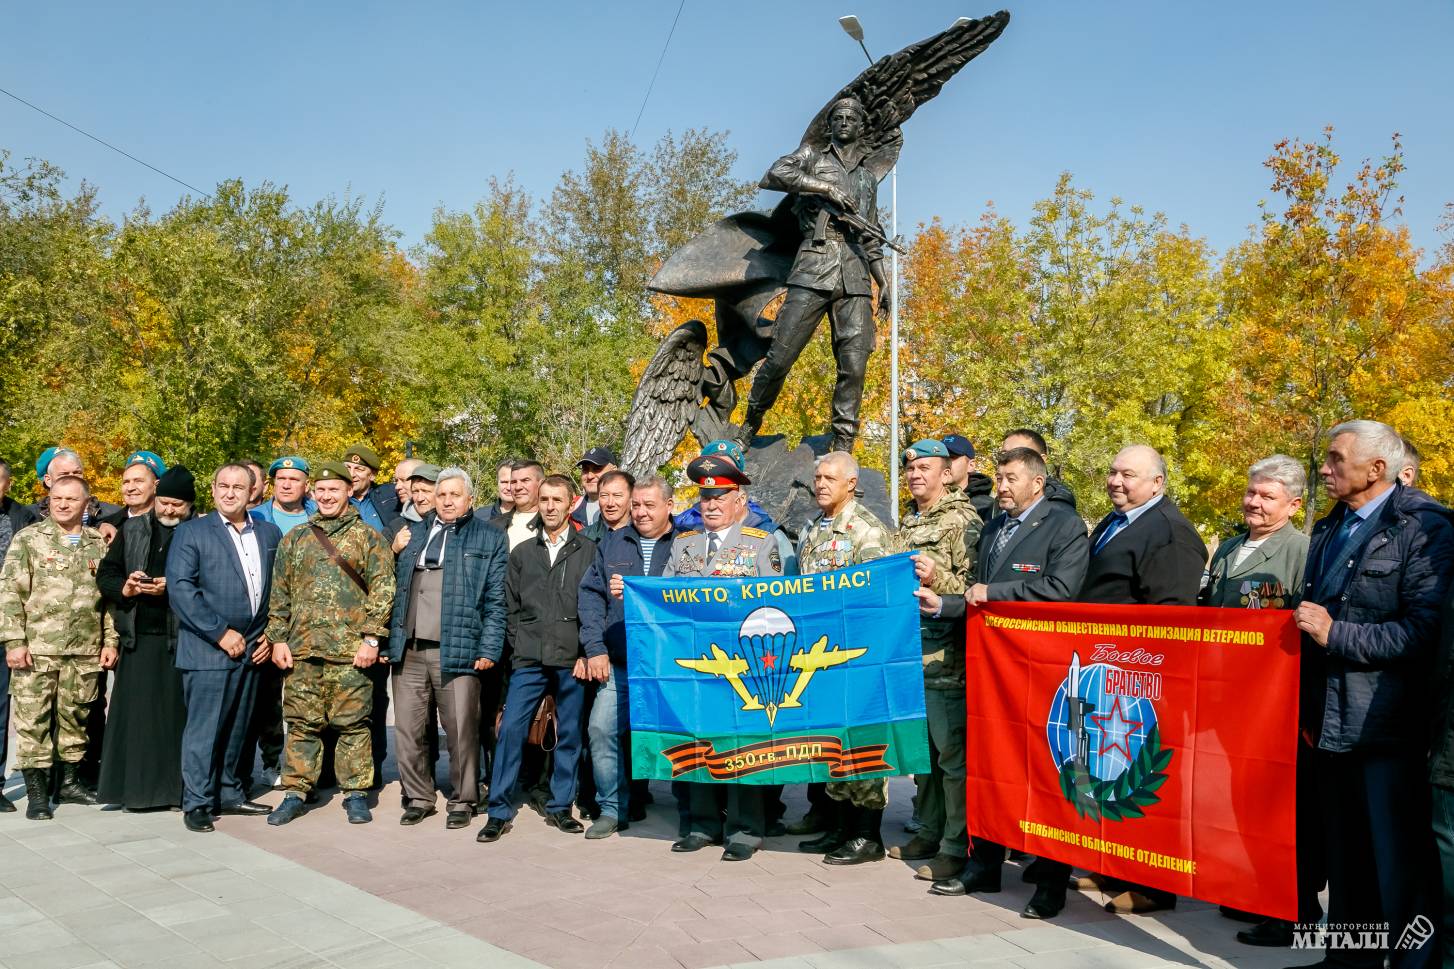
column 291, row 809
column 356, row 806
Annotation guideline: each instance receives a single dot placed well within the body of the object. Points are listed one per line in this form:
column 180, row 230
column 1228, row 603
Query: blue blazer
column 208, row 592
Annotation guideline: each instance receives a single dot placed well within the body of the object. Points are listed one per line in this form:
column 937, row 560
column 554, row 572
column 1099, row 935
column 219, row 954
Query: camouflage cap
column 290, row 463
column 362, row 454
column 927, row 448
column 150, row 459
column 332, row 471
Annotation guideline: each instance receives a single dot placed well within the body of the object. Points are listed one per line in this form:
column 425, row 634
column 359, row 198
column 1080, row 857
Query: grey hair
column 66, row 452
column 452, row 472
column 1286, row 471
column 841, row 458
column 660, row 484
column 1375, row 442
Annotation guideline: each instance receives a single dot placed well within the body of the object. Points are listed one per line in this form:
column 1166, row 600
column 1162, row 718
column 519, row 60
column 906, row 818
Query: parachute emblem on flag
column 769, row 673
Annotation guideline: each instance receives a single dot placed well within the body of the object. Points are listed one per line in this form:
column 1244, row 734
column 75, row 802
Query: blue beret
column 726, row 449
column 154, row 463
column 927, row 448
column 42, row 463
column 290, row 463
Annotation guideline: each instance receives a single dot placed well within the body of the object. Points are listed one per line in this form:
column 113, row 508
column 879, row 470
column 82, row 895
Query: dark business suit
column 1156, row 560
column 1044, row 560
column 208, row 593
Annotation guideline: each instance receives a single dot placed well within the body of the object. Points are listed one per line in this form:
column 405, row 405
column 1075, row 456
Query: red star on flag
column 1116, row 730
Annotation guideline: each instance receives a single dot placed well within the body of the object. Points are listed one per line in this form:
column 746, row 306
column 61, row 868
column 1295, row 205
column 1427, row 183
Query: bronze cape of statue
column 773, row 276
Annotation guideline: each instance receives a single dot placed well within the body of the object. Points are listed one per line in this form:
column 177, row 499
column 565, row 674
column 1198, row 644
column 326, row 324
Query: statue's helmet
column 851, row 103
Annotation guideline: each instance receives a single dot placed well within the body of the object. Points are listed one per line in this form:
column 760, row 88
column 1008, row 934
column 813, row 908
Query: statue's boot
column 718, row 388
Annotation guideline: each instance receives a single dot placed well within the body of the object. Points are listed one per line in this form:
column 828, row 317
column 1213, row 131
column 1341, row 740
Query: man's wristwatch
column 372, row 641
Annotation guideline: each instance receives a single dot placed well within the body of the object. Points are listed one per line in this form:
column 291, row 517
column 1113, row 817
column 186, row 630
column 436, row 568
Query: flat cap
column 425, row 472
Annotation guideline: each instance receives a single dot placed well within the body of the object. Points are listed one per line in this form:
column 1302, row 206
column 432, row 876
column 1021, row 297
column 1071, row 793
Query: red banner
column 1156, row 744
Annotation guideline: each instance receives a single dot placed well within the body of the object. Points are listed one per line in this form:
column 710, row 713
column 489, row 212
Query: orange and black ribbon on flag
column 772, row 754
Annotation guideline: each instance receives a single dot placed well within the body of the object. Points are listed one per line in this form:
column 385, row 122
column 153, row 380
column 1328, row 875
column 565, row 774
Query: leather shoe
column 413, row 815
column 356, row 806
column 809, row 823
column 198, row 819
column 967, row 883
column 916, row 850
column 602, row 827
column 565, row 822
column 291, row 809
column 775, row 829
column 246, row 809
column 1272, row 933
column 458, row 819
column 694, row 842
column 493, row 830
column 823, row 844
column 635, row 812
column 940, row 866
column 737, row 851
column 1134, row 903
column 855, row 852
column 5, row 806
column 1046, row 903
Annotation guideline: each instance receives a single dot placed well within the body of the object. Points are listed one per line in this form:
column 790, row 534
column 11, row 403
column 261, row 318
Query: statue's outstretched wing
column 668, row 397
column 893, row 87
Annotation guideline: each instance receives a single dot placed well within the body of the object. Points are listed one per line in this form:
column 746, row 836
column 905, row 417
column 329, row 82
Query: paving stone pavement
column 98, row 888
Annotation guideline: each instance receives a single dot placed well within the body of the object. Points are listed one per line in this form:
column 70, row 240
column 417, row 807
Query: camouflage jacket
column 948, row 532
column 48, row 596
column 852, row 536
column 318, row 610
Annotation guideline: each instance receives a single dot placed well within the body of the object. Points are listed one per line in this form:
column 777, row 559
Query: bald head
column 1137, row 475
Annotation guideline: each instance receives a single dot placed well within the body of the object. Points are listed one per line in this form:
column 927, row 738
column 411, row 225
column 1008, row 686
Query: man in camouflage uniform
column 943, row 529
column 57, row 640
column 333, row 592
column 844, row 533
column 725, row 546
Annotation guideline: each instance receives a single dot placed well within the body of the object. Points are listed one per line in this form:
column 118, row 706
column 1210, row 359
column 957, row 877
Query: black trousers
column 1382, row 860
column 989, row 856
column 747, row 810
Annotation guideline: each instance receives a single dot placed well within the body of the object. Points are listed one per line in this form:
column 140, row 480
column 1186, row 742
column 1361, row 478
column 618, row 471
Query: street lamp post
column 854, row 29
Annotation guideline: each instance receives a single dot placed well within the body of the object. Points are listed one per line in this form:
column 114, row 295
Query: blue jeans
column 610, row 718
column 528, row 686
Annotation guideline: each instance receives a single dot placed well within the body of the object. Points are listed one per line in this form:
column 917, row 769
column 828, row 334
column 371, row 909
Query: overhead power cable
column 647, row 97
column 119, row 151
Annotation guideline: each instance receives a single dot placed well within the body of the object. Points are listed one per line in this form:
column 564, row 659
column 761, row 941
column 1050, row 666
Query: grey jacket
column 1270, row 578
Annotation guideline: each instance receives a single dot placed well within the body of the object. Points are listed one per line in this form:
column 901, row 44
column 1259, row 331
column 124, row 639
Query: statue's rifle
column 857, row 224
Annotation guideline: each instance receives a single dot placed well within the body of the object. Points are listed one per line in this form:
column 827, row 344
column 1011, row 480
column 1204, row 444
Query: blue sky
column 1170, row 105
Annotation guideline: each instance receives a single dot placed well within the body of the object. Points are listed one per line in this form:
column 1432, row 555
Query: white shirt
column 519, row 529
column 250, row 557
column 553, row 546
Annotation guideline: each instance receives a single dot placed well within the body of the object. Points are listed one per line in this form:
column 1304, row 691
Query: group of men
column 300, row 613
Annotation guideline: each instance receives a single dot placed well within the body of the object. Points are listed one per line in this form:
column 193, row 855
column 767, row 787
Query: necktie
column 433, row 557
column 1339, row 539
column 1118, row 522
column 1001, row 541
column 713, row 542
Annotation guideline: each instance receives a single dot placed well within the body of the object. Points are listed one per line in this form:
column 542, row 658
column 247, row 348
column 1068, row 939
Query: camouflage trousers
column 872, row 793
column 319, row 695
column 59, row 690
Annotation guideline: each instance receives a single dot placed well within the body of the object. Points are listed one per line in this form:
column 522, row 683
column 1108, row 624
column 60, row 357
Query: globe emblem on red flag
column 1104, row 740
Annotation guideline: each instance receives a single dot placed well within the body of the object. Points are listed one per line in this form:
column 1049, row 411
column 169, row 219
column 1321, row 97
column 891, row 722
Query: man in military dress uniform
column 844, row 533
column 724, row 547
column 943, row 529
column 57, row 640
column 332, row 596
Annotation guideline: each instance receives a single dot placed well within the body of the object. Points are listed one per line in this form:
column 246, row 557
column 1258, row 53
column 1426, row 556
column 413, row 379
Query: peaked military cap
column 716, row 474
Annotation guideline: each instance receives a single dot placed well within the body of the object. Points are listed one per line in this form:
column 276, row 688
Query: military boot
column 37, row 793
column 72, row 791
